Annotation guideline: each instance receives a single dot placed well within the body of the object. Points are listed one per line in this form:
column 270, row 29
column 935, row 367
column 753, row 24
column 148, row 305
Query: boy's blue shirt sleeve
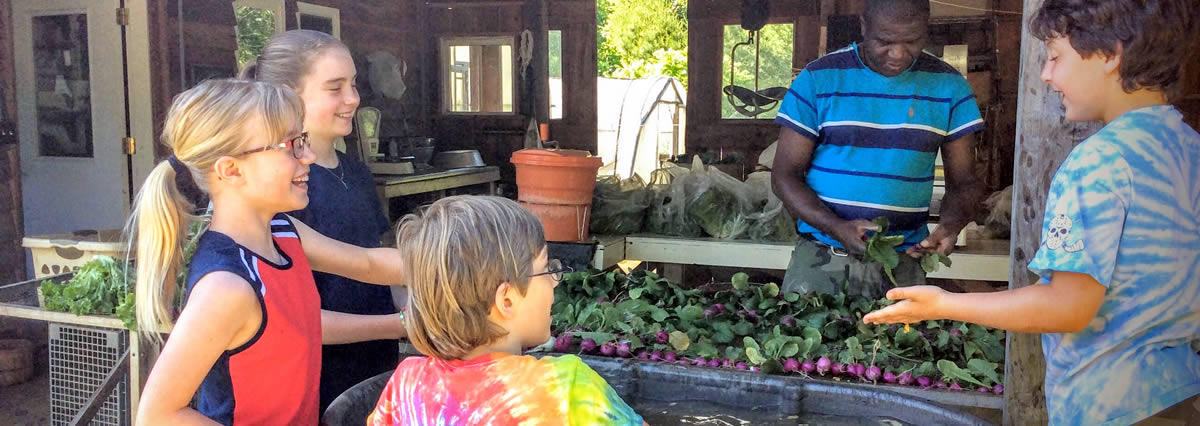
column 964, row 111
column 1085, row 215
column 798, row 109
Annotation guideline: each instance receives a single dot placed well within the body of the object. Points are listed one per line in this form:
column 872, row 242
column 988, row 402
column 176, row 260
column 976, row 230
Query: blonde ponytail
column 204, row 124
column 159, row 222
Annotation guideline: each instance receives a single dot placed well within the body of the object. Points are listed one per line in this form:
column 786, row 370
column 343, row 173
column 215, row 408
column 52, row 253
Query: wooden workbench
column 392, row 186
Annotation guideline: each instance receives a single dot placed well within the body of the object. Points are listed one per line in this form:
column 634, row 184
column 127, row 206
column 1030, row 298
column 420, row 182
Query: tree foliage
column 254, row 27
column 641, row 38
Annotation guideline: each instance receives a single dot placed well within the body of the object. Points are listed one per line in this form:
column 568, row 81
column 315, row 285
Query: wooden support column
column 1044, row 138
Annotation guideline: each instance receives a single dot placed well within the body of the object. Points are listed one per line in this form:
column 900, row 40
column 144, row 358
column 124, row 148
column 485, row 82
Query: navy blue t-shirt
column 349, row 213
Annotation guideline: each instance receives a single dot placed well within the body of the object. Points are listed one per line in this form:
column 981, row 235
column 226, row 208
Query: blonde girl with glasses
column 481, row 290
column 247, row 342
column 343, row 204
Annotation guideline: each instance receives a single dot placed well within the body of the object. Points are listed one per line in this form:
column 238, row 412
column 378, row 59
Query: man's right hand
column 852, row 234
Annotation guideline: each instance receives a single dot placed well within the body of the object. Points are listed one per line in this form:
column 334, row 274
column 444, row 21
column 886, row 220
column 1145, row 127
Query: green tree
column 254, row 27
column 641, row 38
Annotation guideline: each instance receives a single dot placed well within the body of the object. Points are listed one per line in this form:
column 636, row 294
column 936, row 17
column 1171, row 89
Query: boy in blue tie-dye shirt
column 1120, row 256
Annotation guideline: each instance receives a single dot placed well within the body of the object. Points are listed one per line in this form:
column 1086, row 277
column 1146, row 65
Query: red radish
column 623, row 350
column 727, row 363
column 754, row 368
column 643, row 355
column 808, row 367
column 873, row 373
column 670, row 357
column 700, row 362
column 682, row 362
column 984, row 389
column 955, row 332
column 741, row 366
column 955, row 386
column 656, row 356
column 587, row 346
column 714, row 363
column 998, row 389
column 823, row 365
column 859, row 370
column 608, row 349
column 939, row 384
column 905, row 379
column 563, row 343
column 924, row 382
column 791, row 365
column 889, row 377
column 710, row 312
column 719, row 307
column 662, row 337
column 838, row 369
column 788, row 321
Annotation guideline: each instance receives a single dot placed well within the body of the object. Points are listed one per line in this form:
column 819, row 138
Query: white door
column 72, row 113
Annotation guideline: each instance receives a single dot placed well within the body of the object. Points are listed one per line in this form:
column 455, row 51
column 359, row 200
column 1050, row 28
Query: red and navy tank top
column 274, row 377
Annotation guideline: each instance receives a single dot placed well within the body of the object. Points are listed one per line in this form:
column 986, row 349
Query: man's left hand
column 940, row 240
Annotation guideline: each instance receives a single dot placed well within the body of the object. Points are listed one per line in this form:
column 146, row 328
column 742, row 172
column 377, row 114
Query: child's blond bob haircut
column 456, row 252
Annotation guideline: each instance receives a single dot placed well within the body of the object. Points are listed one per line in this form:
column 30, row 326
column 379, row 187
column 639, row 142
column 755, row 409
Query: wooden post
column 1044, row 138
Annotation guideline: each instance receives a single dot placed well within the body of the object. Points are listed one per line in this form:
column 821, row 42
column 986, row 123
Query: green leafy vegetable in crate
column 100, row 286
column 104, row 285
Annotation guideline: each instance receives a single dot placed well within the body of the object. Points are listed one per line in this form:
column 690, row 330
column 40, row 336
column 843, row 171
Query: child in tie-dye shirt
column 481, row 290
column 1119, row 303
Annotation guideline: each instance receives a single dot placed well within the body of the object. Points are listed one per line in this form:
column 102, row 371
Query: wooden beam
column 1044, row 138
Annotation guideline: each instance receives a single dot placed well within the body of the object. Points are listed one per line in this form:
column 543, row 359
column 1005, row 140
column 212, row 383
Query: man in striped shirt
column 860, row 132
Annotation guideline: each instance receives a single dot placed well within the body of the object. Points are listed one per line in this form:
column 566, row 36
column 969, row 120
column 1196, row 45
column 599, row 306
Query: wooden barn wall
column 494, row 135
column 706, row 21
column 12, row 255
column 396, row 27
column 577, row 21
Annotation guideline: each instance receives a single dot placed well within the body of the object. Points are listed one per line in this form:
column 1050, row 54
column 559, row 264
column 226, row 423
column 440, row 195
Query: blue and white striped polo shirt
column 877, row 137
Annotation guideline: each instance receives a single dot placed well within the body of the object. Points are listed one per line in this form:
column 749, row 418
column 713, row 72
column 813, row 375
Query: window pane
column 254, row 27
column 556, row 75
column 479, row 78
column 774, row 69
column 316, row 23
column 64, row 107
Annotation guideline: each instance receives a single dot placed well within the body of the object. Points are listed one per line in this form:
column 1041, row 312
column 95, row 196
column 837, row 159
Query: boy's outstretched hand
column 916, row 304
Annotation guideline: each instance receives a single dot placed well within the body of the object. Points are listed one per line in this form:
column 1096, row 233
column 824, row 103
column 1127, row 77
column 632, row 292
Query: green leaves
column 741, row 281
column 881, row 248
column 825, row 325
column 933, row 260
column 102, row 286
column 951, row 371
column 679, row 340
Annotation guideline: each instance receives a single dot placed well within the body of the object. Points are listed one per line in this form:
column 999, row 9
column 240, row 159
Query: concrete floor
column 27, row 403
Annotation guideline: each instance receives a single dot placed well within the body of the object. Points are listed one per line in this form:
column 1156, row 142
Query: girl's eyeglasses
column 296, row 144
column 555, row 269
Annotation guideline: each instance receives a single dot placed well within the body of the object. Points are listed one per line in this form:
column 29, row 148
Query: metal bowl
column 458, row 159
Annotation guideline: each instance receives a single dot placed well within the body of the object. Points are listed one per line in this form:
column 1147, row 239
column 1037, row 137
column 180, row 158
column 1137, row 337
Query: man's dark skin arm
column 962, row 196
column 793, row 157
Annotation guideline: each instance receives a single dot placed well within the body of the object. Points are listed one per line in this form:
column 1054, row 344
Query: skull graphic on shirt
column 1060, row 230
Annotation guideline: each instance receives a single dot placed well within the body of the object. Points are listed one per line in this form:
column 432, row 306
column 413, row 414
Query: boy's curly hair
column 456, row 253
column 1152, row 36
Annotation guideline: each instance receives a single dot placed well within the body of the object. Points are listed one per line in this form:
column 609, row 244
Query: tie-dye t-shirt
column 1125, row 209
column 499, row 389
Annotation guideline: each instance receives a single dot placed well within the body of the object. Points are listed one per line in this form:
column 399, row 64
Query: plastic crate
column 80, row 359
column 62, row 253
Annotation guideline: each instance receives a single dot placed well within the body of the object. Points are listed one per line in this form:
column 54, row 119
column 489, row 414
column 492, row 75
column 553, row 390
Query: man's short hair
column 1152, row 36
column 897, row 9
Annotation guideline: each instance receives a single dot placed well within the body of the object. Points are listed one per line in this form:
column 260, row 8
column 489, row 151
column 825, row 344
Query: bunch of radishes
column 825, row 367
